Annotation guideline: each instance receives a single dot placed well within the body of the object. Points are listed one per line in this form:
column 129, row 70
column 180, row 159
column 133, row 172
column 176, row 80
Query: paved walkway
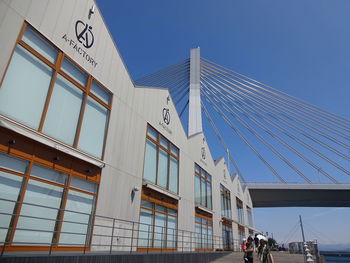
column 279, row 257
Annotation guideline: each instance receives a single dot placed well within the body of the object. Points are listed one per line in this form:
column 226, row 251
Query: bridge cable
column 269, row 102
column 266, row 88
column 295, row 127
column 263, row 140
column 244, row 138
column 279, row 139
column 298, row 140
column 222, row 142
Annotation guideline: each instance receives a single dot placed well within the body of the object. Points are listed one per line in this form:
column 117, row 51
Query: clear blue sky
column 301, row 47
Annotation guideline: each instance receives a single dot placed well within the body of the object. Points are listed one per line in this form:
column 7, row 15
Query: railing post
column 87, row 233
column 110, row 249
column 161, row 241
column 50, row 250
column 183, row 243
column 3, row 248
column 148, row 238
column 132, row 236
column 190, row 241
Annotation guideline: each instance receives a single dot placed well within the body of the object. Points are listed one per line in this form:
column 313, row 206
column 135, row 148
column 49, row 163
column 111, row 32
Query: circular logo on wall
column 166, row 116
column 84, row 34
column 203, row 153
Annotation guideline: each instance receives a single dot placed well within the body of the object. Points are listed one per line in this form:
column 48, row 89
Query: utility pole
column 302, row 229
column 302, row 233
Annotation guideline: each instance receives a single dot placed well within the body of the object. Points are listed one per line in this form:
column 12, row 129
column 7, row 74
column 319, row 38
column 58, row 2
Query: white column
column 195, row 111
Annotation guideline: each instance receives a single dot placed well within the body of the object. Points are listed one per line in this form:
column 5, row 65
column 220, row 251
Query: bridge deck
column 307, row 195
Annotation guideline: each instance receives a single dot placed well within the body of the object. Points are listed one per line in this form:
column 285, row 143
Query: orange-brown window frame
column 56, row 67
column 167, row 150
column 153, row 199
column 20, row 149
column 199, row 172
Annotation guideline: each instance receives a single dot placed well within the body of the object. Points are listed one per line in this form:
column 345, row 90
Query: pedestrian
column 249, row 250
column 260, row 248
column 244, row 248
column 256, row 242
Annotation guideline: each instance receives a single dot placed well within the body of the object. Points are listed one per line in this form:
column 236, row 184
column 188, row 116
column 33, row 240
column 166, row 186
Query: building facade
column 90, row 161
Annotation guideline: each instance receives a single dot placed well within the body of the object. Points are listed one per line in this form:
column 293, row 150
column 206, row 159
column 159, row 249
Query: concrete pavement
column 279, row 257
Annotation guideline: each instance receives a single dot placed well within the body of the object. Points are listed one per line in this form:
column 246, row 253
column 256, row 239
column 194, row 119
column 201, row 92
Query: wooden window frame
column 209, row 223
column 35, row 160
column 169, row 154
column 226, row 194
column 56, row 69
column 154, row 211
column 208, row 180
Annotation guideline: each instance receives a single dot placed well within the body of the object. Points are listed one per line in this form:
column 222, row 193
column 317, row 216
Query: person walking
column 256, row 242
column 244, row 248
column 249, row 250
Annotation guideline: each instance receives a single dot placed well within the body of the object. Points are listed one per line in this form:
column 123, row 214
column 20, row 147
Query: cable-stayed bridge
column 304, row 149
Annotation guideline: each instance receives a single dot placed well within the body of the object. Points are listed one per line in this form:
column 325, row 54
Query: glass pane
column 203, row 193
column 210, row 237
column 209, row 195
column 145, row 228
column 64, row 110
column 162, row 168
column 42, row 194
column 160, row 208
column 197, row 189
column 197, row 169
column 38, row 43
column 49, row 174
column 13, row 163
column 10, row 186
column 83, row 185
column 172, row 212
column 150, row 166
column 101, row 93
column 198, row 236
column 171, row 232
column 24, row 89
column 74, row 72
column 222, row 205
column 82, row 205
column 147, row 204
column 159, row 231
column 173, row 175
column 174, row 150
column 152, row 133
column 209, row 177
column 164, row 142
column 93, row 129
column 204, row 236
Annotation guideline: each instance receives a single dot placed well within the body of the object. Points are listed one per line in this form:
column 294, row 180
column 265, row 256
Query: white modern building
column 88, row 159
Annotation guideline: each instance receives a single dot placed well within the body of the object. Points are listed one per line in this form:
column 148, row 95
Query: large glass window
column 250, row 216
column 46, row 91
column 202, row 187
column 36, row 202
column 240, row 213
column 158, row 226
column 24, row 89
column 241, row 232
column 161, row 165
column 225, row 202
column 204, row 231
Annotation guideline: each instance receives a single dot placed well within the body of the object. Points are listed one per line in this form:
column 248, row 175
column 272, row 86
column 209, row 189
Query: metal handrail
column 118, row 235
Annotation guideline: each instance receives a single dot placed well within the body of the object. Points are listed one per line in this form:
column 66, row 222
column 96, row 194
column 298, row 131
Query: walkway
column 279, row 257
